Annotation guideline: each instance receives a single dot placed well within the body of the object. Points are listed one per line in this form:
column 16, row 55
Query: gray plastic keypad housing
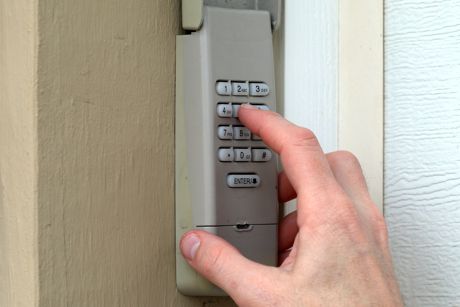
column 232, row 46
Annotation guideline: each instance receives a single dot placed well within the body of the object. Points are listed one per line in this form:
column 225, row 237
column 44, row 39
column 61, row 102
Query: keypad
column 239, row 145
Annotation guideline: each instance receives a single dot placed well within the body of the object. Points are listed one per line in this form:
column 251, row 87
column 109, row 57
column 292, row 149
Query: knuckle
column 347, row 158
column 212, row 260
column 304, row 138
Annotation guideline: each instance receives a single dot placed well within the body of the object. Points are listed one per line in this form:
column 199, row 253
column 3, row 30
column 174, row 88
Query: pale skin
column 333, row 251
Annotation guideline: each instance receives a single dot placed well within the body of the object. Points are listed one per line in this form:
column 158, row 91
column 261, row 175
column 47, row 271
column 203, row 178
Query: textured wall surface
column 18, row 252
column 86, row 154
column 422, row 158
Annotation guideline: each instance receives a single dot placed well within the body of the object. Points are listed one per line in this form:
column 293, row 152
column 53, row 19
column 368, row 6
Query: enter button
column 243, row 181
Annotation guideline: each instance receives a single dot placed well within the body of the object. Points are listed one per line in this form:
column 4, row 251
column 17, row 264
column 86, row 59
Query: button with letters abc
column 224, row 110
column 242, row 154
column 225, row 132
column 225, row 154
column 243, row 180
column 261, row 155
column 240, row 89
column 258, row 89
column 224, row 88
column 241, row 133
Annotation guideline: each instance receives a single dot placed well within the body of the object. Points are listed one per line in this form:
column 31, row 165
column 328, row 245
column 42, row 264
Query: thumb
column 244, row 280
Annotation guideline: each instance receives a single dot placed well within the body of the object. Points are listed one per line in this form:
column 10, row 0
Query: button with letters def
column 258, row 89
column 243, row 180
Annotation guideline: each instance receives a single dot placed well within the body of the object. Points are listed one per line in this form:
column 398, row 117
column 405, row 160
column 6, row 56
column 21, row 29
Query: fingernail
column 190, row 245
column 248, row 106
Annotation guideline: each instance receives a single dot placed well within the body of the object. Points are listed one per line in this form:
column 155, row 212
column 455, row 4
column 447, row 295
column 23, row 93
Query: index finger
column 303, row 159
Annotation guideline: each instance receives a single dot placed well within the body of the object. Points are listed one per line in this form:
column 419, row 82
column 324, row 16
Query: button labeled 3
column 258, row 89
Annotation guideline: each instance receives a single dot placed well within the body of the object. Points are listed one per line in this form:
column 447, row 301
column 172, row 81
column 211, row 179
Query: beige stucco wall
column 18, row 172
column 87, row 154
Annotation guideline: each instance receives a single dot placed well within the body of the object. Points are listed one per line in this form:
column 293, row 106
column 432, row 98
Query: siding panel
column 422, row 156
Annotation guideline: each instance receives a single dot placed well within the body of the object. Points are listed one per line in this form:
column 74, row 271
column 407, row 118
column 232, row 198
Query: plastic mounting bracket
column 192, row 10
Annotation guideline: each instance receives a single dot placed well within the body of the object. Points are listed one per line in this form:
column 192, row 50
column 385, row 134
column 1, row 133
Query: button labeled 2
column 240, row 89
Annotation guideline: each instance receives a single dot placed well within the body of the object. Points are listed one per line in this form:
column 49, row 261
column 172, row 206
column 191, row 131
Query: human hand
column 333, row 250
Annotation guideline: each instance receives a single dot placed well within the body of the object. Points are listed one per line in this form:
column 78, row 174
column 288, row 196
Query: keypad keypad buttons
column 224, row 110
column 225, row 132
column 241, row 133
column 242, row 154
column 258, row 89
column 261, row 155
column 236, row 108
column 226, row 154
column 243, row 181
column 262, row 107
column 224, row 88
column 240, row 89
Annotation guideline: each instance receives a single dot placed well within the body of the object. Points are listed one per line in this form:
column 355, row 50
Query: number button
column 240, row 89
column 224, row 88
column 261, row 155
column 236, row 108
column 224, row 110
column 258, row 89
column 225, row 154
column 242, row 154
column 225, row 132
column 241, row 133
column 262, row 107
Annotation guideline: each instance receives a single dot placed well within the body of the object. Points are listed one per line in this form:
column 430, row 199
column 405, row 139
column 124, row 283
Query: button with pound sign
column 261, row 155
